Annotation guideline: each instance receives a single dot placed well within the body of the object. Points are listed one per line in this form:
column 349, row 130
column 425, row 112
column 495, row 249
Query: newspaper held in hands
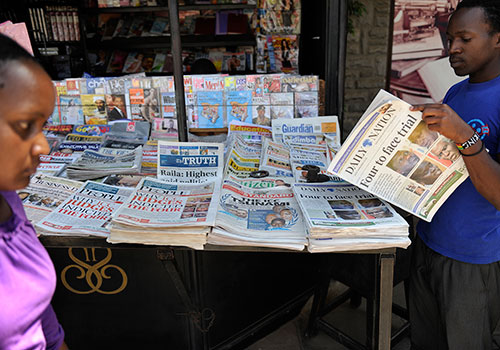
column 392, row 154
column 86, row 212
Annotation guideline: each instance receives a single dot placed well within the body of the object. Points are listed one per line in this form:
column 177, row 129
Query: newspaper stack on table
column 258, row 217
column 107, row 161
column 179, row 207
column 87, row 212
column 158, row 212
column 392, row 154
column 340, row 216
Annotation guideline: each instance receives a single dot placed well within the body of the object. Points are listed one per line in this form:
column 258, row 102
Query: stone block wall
column 366, row 60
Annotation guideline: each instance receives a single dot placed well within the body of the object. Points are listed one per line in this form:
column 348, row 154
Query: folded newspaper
column 158, row 212
column 44, row 194
column 190, row 162
column 87, row 212
column 341, row 211
column 107, row 161
column 256, row 217
column 392, row 154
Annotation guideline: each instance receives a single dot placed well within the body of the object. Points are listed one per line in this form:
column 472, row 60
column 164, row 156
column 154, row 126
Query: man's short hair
column 491, row 10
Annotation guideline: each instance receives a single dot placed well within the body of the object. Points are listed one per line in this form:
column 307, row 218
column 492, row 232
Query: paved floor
column 350, row 320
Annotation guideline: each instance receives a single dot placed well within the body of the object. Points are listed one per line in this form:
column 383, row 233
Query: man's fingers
column 424, row 106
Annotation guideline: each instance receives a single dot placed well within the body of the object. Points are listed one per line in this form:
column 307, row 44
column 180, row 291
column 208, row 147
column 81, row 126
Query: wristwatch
column 470, row 142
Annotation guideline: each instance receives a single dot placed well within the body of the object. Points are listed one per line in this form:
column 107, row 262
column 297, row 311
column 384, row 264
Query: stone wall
column 366, row 60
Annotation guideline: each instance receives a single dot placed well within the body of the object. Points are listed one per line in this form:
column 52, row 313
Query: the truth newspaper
column 392, row 154
column 182, row 162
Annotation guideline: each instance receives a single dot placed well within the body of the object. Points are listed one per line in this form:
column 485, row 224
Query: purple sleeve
column 54, row 333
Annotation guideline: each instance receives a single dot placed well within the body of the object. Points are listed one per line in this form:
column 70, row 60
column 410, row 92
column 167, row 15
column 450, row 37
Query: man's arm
column 483, row 170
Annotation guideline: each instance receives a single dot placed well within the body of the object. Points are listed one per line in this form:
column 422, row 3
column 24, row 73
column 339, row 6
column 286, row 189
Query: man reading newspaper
column 455, row 280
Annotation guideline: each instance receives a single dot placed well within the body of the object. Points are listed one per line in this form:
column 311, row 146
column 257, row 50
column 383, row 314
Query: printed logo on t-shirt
column 480, row 127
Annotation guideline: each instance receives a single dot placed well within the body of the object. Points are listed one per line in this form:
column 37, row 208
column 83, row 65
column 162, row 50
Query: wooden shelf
column 55, row 43
column 164, row 42
column 208, row 130
column 214, row 7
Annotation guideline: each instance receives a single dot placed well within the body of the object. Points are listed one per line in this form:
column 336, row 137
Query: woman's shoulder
column 14, row 202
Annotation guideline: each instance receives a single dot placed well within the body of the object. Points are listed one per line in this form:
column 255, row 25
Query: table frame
column 379, row 331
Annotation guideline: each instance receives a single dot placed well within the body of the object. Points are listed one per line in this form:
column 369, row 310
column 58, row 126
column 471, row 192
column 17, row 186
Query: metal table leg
column 383, row 301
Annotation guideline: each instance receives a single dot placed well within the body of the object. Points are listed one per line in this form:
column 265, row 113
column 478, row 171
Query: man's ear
column 497, row 40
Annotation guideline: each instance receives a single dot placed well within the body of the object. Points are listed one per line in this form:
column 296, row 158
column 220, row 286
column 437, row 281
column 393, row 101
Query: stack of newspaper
column 179, row 207
column 107, row 161
column 86, row 212
column 340, row 216
column 258, row 217
column 164, row 213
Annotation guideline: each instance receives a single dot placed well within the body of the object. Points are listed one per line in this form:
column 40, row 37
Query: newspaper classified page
column 392, row 154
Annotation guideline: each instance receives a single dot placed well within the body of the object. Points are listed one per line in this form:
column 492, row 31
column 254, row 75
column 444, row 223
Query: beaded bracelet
column 475, row 153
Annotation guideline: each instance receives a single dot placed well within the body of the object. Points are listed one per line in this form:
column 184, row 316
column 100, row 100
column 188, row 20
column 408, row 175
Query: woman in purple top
column 27, row 276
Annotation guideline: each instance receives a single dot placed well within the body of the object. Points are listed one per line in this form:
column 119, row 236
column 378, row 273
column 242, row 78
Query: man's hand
column 443, row 119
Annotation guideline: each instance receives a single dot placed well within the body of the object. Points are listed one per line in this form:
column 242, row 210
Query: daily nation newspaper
column 271, row 214
column 392, row 154
column 158, row 204
column 306, row 130
column 44, row 194
column 190, row 162
column 344, row 210
column 86, row 212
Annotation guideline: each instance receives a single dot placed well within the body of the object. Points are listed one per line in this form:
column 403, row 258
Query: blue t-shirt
column 467, row 226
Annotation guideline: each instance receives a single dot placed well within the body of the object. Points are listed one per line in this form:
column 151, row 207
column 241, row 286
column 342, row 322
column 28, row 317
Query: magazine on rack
column 269, row 218
column 190, row 162
column 44, row 194
column 392, row 154
column 158, row 212
column 86, row 212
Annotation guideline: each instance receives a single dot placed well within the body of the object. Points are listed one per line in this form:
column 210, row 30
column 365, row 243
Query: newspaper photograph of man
column 422, row 136
column 445, row 152
column 403, row 162
column 426, row 173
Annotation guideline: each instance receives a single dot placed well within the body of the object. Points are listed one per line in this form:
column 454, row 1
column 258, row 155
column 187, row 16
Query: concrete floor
column 350, row 320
